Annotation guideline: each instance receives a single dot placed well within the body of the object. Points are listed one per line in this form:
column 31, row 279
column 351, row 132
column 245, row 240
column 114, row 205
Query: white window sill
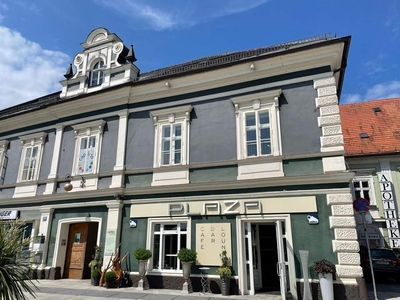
column 164, row 272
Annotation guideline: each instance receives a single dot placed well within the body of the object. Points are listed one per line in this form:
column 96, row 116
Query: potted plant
column 95, row 264
column 187, row 257
column 95, row 276
column 325, row 269
column 225, row 273
column 110, row 278
column 142, row 255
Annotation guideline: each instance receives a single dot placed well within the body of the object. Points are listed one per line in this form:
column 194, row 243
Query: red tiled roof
column 382, row 128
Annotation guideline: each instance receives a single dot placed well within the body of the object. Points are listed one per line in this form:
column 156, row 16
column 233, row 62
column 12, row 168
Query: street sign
column 361, row 205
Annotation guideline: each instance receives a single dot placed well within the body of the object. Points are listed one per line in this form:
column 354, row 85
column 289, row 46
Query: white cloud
column 176, row 14
column 384, row 90
column 27, row 70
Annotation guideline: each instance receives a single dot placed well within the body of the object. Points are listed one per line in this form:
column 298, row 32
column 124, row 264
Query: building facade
column 371, row 134
column 240, row 152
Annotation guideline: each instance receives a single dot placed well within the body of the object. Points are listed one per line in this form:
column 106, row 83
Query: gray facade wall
column 109, row 145
column 13, row 160
column 213, row 132
column 47, row 155
column 67, row 152
column 140, row 141
column 299, row 119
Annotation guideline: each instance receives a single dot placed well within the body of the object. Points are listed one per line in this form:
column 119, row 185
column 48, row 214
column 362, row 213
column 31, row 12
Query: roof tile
column 382, row 127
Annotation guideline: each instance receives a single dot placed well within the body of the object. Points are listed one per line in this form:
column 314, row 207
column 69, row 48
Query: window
column 171, row 136
column 86, row 154
column 166, row 238
column 257, row 124
column 362, row 187
column 258, row 133
column 3, row 159
column 97, row 75
column 87, row 147
column 32, row 150
column 171, row 144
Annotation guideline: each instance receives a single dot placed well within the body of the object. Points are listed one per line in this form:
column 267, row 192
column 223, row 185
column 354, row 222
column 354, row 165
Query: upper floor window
column 171, row 144
column 87, row 147
column 257, row 124
column 362, row 187
column 171, row 136
column 3, row 159
column 258, row 133
column 32, row 151
column 97, row 75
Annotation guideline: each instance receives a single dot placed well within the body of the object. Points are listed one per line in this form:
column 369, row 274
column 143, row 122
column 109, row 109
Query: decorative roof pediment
column 99, row 36
column 104, row 62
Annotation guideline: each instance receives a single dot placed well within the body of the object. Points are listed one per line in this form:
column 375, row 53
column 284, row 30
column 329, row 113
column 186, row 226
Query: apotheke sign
column 389, row 207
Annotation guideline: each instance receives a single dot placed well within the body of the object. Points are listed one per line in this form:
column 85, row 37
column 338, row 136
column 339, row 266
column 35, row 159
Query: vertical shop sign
column 211, row 240
column 389, row 210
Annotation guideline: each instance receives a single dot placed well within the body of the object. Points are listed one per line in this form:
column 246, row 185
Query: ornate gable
column 104, row 62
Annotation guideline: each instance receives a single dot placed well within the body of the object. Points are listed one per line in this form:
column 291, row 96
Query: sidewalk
column 81, row 289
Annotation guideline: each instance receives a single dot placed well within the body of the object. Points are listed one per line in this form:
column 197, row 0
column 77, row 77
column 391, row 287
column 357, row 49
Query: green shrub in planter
column 110, row 276
column 95, row 272
column 142, row 254
column 224, row 270
column 187, row 255
column 94, row 264
column 324, row 267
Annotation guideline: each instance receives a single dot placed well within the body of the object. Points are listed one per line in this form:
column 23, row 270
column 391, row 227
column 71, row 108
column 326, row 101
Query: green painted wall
column 30, row 215
column 77, row 212
column 213, row 174
column 138, row 180
column 132, row 238
column 217, row 219
column 306, row 166
column 317, row 239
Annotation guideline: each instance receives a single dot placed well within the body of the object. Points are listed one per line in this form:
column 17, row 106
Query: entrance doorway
column 80, row 249
column 264, row 255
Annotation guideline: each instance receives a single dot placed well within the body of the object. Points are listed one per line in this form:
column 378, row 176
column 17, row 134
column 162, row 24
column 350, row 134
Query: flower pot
column 142, row 268
column 326, row 284
column 109, row 285
column 95, row 281
column 186, row 266
column 225, row 285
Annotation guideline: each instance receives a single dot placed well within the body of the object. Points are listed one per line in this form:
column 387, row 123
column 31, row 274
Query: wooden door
column 76, row 249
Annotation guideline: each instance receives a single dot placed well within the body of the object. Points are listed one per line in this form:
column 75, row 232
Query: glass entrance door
column 281, row 265
column 259, row 271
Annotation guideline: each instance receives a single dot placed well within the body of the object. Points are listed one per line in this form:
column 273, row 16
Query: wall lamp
column 68, row 186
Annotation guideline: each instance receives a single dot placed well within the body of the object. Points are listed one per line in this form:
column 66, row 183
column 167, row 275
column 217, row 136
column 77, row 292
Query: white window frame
column 3, row 150
column 256, row 103
column 87, row 130
column 169, row 117
column 99, row 70
column 31, row 141
column 150, row 241
column 364, row 178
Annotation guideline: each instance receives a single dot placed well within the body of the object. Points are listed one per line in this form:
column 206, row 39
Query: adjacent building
column 371, row 133
column 240, row 152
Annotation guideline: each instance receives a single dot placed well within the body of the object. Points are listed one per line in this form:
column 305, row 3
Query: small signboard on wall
column 8, row 214
column 211, row 240
column 111, row 237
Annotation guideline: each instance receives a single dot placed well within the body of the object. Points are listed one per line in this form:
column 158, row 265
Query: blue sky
column 38, row 39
